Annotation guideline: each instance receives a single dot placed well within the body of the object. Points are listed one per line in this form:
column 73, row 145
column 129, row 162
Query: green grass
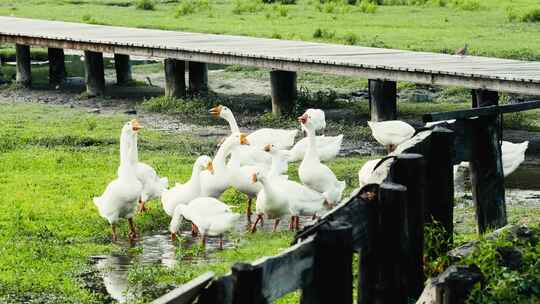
column 440, row 27
column 53, row 160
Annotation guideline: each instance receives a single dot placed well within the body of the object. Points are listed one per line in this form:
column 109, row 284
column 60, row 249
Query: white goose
column 280, row 138
column 211, row 216
column 313, row 173
column 240, row 179
column 120, row 198
column 365, row 172
column 214, row 184
column 391, row 133
column 185, row 193
column 327, row 146
column 272, row 201
column 153, row 185
column 512, row 155
column 301, row 199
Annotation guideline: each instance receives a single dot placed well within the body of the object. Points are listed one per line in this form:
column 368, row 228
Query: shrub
column 87, row 18
column 350, row 39
column 532, row 15
column 323, row 33
column 188, row 7
column 147, row 5
column 245, row 6
column 367, row 7
column 466, row 5
column 281, row 10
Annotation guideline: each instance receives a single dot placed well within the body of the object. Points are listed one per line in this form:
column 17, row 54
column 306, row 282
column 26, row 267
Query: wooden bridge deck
column 374, row 63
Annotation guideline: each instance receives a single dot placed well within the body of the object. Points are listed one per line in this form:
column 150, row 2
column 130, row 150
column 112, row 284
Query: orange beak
column 210, row 167
column 243, row 139
column 135, row 125
column 303, row 119
column 267, row 148
column 174, row 237
column 215, row 111
column 254, row 178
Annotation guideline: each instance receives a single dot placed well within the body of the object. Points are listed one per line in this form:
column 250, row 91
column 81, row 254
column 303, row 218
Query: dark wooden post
column 94, row 73
column 198, row 78
column 487, row 176
column 283, row 92
column 381, row 263
column 440, row 201
column 382, row 100
column 332, row 266
column 175, row 78
column 24, row 73
column 57, row 67
column 453, row 286
column 247, row 281
column 123, row 69
column 410, row 170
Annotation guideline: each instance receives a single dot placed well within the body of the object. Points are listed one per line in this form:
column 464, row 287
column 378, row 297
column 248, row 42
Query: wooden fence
column 383, row 222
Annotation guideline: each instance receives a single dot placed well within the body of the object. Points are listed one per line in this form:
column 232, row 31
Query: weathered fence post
column 453, row 286
column 175, row 78
column 24, row 74
column 123, row 69
column 332, row 266
column 283, row 91
column 381, row 263
column 440, row 201
column 57, row 67
column 382, row 99
column 487, row 176
column 94, row 73
column 198, row 77
column 409, row 170
column 247, row 281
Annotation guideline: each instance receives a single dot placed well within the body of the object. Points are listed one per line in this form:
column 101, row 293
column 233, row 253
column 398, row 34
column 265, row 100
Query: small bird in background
column 462, row 51
column 149, row 81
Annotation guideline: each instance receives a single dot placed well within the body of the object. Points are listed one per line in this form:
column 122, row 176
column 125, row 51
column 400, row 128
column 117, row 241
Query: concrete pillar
column 382, row 100
column 284, row 94
column 123, row 69
column 57, row 67
column 198, row 78
column 175, row 78
column 94, row 73
column 24, row 73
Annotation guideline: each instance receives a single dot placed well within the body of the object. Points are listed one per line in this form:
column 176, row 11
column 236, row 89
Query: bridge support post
column 24, row 72
column 332, row 266
column 198, row 77
column 175, row 78
column 382, row 262
column 123, row 69
column 382, row 100
column 283, row 91
column 57, row 67
column 487, row 177
column 94, row 73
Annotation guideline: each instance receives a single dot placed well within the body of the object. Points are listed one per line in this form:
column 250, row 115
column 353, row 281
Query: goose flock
column 256, row 165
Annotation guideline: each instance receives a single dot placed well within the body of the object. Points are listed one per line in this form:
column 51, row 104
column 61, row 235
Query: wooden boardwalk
column 473, row 72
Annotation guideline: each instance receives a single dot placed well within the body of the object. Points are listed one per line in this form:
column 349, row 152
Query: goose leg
column 249, row 211
column 203, row 240
column 114, row 237
column 391, row 148
column 291, row 223
column 132, row 230
column 297, row 223
column 276, row 223
column 221, row 242
column 194, row 230
column 142, row 207
column 254, row 227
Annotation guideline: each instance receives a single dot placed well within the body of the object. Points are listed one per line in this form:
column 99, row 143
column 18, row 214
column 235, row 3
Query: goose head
column 306, row 121
column 257, row 176
column 222, row 111
column 280, row 154
column 318, row 118
column 204, row 162
column 131, row 127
